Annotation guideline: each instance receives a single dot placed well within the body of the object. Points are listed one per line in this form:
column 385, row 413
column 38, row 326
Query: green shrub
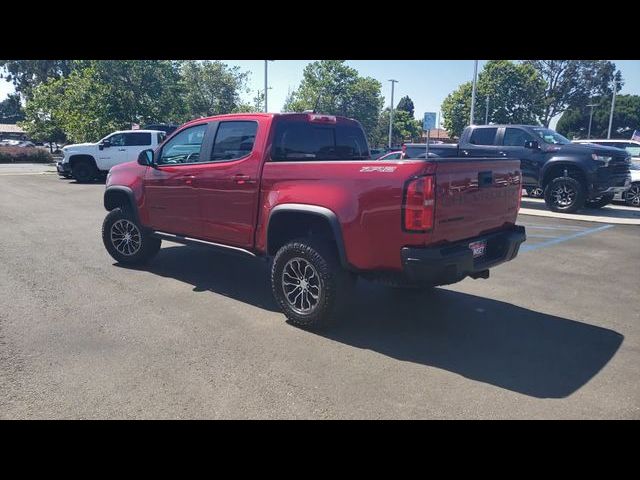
column 24, row 154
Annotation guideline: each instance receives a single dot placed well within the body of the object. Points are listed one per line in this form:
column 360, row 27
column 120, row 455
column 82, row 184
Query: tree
column 406, row 104
column 334, row 88
column 211, row 88
column 42, row 118
column 515, row 91
column 405, row 128
column 574, row 122
column 28, row 74
column 103, row 96
column 570, row 83
column 11, row 109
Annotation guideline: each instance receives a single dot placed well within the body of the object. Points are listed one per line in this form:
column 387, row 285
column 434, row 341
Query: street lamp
column 486, row 112
column 266, row 88
column 473, row 91
column 393, row 82
column 613, row 106
column 590, row 118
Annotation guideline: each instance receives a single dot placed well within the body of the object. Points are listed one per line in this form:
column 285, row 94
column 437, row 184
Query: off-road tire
column 578, row 199
column 148, row 246
column 336, row 283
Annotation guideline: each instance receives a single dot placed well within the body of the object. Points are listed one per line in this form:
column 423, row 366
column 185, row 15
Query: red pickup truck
column 302, row 190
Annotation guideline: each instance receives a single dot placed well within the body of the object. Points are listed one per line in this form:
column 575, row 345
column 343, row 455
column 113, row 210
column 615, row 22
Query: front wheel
column 84, row 172
column 599, row 202
column 632, row 196
column 308, row 283
column 564, row 195
column 126, row 241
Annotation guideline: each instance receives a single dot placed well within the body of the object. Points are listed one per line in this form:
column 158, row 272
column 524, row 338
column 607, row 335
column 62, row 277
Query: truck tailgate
column 475, row 197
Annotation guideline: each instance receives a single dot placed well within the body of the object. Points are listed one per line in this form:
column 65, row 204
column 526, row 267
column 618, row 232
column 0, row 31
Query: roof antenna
column 315, row 106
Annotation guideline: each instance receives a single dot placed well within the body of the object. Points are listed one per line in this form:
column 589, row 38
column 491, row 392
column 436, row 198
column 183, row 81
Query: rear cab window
column 137, row 139
column 303, row 140
column 483, row 136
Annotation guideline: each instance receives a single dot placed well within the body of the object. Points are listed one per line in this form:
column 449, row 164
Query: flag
column 636, row 136
column 135, row 126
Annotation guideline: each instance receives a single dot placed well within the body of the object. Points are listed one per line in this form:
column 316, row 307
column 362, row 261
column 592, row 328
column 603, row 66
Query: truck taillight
column 418, row 204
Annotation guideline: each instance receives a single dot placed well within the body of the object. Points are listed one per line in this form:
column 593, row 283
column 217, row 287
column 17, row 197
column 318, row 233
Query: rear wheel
column 84, row 172
column 535, row 192
column 126, row 241
column 565, row 195
column 599, row 202
column 309, row 284
column 632, row 196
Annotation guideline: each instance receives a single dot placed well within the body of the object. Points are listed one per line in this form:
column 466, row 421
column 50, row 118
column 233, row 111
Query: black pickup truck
column 572, row 176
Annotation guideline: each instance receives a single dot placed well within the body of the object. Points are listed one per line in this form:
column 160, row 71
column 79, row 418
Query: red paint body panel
column 365, row 195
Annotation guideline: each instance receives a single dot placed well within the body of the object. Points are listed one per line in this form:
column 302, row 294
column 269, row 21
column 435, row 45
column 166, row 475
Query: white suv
column 85, row 161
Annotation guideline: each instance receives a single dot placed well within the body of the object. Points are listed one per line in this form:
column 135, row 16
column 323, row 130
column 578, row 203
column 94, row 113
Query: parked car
column 390, row 156
column 632, row 147
column 632, row 195
column 377, row 152
column 571, row 176
column 86, row 161
column 301, row 189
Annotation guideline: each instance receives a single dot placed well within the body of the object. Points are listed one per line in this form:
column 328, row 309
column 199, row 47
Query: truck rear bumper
column 453, row 262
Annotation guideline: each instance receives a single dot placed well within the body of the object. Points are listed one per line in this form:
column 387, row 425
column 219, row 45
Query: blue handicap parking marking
column 548, row 238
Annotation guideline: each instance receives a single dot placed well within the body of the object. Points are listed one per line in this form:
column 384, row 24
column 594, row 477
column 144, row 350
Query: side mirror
column 104, row 144
column 145, row 158
column 532, row 144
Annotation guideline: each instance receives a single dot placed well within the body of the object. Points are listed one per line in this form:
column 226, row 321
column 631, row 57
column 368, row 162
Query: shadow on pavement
column 485, row 340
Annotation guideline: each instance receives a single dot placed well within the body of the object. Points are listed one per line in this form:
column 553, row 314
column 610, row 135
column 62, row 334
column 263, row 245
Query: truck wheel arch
column 556, row 169
column 293, row 220
column 118, row 196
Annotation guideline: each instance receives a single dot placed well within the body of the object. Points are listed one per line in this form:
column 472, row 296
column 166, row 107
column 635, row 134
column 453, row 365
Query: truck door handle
column 504, row 154
column 241, row 179
column 465, row 152
column 122, row 149
column 188, row 179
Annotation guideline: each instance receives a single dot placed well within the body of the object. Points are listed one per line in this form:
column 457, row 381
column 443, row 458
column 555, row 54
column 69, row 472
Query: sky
column 427, row 82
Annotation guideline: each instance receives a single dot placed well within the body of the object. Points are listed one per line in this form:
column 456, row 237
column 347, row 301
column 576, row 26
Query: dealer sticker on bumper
column 478, row 248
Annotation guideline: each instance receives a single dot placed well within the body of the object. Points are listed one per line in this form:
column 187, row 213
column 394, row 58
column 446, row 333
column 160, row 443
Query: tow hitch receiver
column 482, row 274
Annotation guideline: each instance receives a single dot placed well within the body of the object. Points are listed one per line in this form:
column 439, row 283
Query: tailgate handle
column 485, row 179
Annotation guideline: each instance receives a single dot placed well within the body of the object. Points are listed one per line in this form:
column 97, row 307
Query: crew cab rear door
column 229, row 181
column 482, row 143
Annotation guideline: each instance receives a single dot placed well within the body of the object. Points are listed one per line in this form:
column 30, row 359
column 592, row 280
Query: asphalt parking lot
column 553, row 334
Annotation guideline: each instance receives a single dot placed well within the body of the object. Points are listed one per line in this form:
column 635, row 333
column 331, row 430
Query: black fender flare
column 115, row 191
column 566, row 162
column 319, row 211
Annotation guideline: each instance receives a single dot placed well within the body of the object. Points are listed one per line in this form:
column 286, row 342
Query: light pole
column 473, row 91
column 613, row 106
column 486, row 112
column 590, row 118
column 266, row 87
column 393, row 82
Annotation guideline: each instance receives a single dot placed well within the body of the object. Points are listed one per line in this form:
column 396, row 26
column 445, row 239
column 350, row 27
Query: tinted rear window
column 136, row 139
column 483, row 136
column 309, row 141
